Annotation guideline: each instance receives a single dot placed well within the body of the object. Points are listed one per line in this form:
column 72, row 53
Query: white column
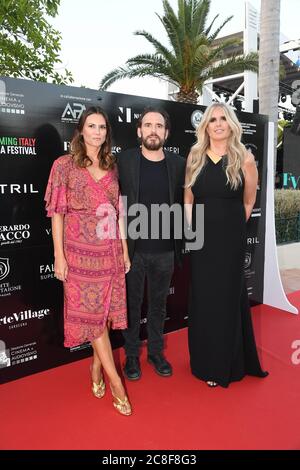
column 274, row 294
column 250, row 45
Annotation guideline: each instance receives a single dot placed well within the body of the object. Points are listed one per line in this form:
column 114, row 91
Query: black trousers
column 158, row 268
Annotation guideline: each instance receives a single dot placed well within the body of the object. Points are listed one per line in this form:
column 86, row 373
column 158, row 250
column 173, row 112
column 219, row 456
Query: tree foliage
column 29, row 45
column 192, row 56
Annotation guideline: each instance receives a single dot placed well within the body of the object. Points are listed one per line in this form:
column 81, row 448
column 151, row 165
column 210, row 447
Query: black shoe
column 132, row 368
column 161, row 366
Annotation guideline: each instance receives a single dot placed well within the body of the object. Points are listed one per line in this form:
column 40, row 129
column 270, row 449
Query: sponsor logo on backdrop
column 10, row 102
column 247, row 266
column 196, row 118
column 173, row 150
column 256, row 212
column 116, row 149
column 17, row 146
column 252, row 241
column 291, row 181
column 249, row 290
column 21, row 319
column 6, row 288
column 247, row 260
column 4, row 355
column 23, row 353
column 12, row 234
column 72, row 112
column 126, row 115
column 249, row 128
column 24, row 188
column 4, row 268
column 46, row 271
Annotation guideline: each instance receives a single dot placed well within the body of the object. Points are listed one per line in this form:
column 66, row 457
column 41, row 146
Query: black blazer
column 129, row 177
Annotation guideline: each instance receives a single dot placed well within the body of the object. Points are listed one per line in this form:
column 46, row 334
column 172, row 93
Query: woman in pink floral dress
column 90, row 250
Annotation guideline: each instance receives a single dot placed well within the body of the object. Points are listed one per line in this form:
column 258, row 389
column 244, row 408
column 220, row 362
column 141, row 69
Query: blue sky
column 97, row 35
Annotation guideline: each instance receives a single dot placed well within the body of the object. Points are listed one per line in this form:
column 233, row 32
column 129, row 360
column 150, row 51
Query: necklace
column 214, row 156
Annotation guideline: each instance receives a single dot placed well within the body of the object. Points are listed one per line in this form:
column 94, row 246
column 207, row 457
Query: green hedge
column 287, row 215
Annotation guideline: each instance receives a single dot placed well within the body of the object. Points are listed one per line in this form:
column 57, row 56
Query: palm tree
column 269, row 61
column 192, row 56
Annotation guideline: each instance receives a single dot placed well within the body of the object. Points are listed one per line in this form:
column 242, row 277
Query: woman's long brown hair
column 78, row 148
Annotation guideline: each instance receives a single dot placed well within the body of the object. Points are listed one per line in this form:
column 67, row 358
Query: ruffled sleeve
column 56, row 191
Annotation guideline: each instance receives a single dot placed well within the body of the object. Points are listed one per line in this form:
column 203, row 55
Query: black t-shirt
column 154, row 191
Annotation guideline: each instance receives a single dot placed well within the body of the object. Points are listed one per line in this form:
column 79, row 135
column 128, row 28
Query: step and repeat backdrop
column 291, row 161
column 37, row 122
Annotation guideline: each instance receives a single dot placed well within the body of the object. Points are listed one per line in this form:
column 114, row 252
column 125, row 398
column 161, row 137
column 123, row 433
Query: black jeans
column 158, row 267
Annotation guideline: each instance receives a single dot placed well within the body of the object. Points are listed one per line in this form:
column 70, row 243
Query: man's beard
column 151, row 144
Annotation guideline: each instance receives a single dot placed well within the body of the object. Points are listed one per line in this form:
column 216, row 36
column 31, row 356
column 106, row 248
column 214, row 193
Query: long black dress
column 221, row 340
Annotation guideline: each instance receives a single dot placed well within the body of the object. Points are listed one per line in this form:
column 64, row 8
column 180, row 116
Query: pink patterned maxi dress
column 94, row 292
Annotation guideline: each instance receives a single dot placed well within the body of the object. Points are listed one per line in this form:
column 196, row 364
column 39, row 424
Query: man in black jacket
column 150, row 176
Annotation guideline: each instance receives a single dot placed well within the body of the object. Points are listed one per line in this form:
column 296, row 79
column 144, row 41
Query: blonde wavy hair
column 236, row 151
column 78, row 148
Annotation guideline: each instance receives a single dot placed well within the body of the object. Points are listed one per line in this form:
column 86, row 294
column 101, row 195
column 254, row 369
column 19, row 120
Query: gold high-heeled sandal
column 122, row 406
column 98, row 390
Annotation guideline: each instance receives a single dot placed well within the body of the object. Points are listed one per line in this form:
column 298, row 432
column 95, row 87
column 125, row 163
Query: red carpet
column 56, row 410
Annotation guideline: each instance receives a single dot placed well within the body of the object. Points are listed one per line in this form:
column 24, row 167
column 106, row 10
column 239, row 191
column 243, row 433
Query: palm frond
column 160, row 48
column 234, row 64
column 113, row 76
column 158, row 63
column 215, row 34
column 208, row 29
column 172, row 34
column 162, row 72
column 183, row 19
column 217, row 52
column 146, row 59
column 199, row 13
column 200, row 41
column 174, row 28
column 176, row 23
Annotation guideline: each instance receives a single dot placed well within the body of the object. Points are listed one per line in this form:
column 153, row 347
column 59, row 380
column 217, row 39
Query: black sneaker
column 161, row 365
column 132, row 368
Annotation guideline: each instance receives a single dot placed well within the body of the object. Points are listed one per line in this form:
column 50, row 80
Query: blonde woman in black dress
column 222, row 175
